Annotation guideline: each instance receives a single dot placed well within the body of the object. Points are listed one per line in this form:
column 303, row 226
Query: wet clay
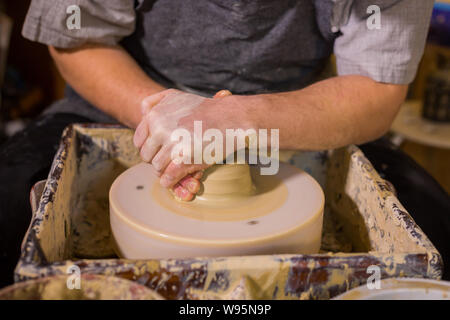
column 228, row 193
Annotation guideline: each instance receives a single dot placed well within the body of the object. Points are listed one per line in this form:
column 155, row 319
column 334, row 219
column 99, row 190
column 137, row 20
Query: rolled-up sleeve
column 101, row 22
column 390, row 54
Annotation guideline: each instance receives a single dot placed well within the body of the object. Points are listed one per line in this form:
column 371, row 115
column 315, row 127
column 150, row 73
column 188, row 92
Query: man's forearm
column 329, row 114
column 108, row 78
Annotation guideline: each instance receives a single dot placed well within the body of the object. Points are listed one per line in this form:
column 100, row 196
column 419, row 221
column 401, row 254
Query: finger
column 162, row 159
column 149, row 149
column 190, row 183
column 141, row 134
column 181, row 193
column 150, row 101
column 155, row 172
column 222, row 93
column 175, row 172
column 197, row 175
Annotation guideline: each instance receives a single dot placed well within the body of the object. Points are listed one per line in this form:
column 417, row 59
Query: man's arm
column 328, row 114
column 109, row 78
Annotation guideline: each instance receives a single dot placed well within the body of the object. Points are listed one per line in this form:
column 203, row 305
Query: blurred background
column 29, row 82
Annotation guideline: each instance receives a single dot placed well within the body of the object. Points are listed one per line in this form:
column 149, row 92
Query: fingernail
column 222, row 93
column 193, row 186
column 182, row 194
column 198, row 175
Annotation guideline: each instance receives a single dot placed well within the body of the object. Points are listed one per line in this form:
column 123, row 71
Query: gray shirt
column 246, row 46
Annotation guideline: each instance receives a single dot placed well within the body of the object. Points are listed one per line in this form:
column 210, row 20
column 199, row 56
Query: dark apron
column 246, row 47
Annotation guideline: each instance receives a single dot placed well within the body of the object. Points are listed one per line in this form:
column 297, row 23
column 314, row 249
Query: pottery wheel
column 237, row 212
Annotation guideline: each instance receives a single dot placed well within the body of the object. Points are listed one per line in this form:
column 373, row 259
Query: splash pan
column 364, row 224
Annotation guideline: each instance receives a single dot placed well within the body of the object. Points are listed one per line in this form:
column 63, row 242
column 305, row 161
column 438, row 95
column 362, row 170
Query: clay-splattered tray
column 364, row 225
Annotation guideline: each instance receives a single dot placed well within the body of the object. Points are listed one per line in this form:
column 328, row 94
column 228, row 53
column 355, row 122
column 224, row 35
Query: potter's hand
column 162, row 114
